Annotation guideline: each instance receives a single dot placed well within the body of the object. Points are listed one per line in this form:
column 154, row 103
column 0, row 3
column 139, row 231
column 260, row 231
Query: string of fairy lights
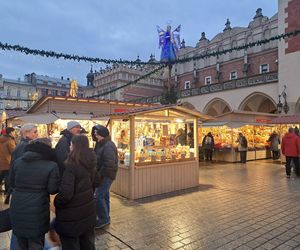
column 160, row 65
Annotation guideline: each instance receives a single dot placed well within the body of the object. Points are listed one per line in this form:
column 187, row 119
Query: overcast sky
column 111, row 29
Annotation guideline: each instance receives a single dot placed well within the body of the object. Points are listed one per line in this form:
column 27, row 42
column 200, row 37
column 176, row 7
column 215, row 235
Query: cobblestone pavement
column 236, row 206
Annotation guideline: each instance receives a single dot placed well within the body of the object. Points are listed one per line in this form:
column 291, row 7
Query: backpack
column 244, row 142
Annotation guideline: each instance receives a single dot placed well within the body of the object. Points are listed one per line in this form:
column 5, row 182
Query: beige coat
column 7, row 146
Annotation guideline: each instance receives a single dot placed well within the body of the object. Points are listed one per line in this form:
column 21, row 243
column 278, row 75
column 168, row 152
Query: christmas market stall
column 157, row 152
column 284, row 122
column 256, row 127
column 52, row 113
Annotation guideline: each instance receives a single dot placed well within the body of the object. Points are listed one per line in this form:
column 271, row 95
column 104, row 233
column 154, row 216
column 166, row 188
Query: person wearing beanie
column 107, row 166
column 33, row 177
column 62, row 148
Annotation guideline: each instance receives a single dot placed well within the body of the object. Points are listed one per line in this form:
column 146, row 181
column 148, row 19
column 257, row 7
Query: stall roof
column 10, row 113
column 286, row 119
column 232, row 124
column 44, row 99
column 147, row 110
column 48, row 118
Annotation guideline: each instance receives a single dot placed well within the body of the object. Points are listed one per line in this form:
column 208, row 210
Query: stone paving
column 236, row 206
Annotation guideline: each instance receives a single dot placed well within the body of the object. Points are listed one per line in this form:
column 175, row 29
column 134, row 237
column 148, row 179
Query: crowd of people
column 79, row 177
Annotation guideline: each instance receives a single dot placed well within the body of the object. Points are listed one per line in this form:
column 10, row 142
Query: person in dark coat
column 180, row 137
column 75, row 203
column 208, row 144
column 107, row 165
column 274, row 145
column 242, row 147
column 62, row 148
column 28, row 132
column 34, row 176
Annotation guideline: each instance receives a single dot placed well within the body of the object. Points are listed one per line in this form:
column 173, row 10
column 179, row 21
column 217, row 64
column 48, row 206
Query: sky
column 108, row 29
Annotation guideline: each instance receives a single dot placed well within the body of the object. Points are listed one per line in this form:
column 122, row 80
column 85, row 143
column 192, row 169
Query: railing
column 212, row 88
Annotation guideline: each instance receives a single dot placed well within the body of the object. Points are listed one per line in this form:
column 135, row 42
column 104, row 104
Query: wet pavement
column 236, row 206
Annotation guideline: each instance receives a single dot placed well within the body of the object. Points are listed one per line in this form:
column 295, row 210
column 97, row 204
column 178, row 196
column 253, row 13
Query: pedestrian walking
column 62, row 147
column 290, row 147
column 242, row 147
column 75, row 203
column 7, row 146
column 107, row 165
column 208, row 144
column 34, row 176
column 274, row 145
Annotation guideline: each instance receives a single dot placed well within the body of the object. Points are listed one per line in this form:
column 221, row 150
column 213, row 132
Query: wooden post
column 132, row 150
column 196, row 143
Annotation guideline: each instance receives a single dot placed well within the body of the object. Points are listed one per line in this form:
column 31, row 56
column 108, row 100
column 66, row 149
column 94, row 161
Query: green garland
column 242, row 47
column 129, row 83
column 53, row 54
column 78, row 58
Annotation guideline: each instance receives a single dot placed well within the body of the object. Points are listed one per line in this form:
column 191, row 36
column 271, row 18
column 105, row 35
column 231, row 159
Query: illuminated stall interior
column 157, row 150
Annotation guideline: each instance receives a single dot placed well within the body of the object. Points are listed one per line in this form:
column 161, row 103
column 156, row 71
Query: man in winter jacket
column 107, row 165
column 290, row 147
column 7, row 146
column 62, row 148
column 33, row 177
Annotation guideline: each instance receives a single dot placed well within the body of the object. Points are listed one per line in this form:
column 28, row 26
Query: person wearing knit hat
column 62, row 148
column 107, row 166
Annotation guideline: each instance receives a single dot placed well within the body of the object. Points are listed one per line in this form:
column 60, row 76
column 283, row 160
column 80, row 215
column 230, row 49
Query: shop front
column 157, row 150
column 255, row 127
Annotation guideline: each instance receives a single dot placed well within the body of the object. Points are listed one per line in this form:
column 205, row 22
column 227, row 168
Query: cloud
column 108, row 29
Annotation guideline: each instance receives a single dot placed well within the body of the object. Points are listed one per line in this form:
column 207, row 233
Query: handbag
column 5, row 223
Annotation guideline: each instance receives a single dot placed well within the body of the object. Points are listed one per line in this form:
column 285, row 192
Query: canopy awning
column 287, row 119
column 38, row 118
column 233, row 124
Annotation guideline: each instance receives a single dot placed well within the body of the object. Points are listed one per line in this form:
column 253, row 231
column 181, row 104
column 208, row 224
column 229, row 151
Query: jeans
column 289, row 159
column 208, row 154
column 243, row 155
column 102, row 201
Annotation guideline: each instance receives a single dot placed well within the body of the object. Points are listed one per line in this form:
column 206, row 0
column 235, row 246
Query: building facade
column 246, row 80
column 103, row 81
column 21, row 94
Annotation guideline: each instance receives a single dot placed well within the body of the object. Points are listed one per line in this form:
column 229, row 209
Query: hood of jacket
column 39, row 151
column 290, row 135
column 67, row 134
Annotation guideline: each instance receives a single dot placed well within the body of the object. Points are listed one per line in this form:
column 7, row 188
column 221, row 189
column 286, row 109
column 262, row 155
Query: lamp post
column 279, row 105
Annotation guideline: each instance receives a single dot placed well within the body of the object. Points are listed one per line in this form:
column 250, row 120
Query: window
column 44, row 92
column 233, row 75
column 8, row 93
column 187, row 85
column 63, row 93
column 264, row 68
column 207, row 80
column 18, row 93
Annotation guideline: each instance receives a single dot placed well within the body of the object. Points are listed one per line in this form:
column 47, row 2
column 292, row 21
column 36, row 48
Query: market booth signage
column 156, row 149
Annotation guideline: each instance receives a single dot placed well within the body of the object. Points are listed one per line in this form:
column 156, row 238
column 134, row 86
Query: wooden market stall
column 52, row 113
column 256, row 127
column 154, row 157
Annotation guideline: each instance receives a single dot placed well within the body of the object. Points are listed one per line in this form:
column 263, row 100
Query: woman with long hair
column 75, row 204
